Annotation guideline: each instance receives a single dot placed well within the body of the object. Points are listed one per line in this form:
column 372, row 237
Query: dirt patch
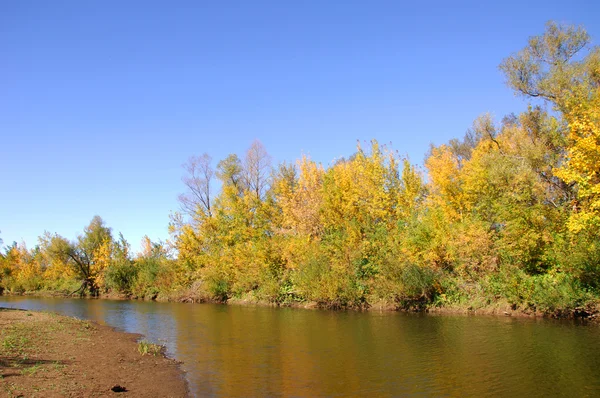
column 48, row 355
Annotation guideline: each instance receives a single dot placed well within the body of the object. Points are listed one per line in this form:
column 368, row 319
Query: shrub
column 418, row 286
column 121, row 277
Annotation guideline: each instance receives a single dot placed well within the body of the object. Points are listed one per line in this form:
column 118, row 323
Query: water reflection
column 250, row 351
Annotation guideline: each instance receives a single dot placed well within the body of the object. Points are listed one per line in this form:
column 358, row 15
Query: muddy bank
column 49, row 355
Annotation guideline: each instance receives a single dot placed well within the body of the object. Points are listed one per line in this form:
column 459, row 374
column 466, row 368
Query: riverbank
column 501, row 308
column 478, row 306
column 48, row 355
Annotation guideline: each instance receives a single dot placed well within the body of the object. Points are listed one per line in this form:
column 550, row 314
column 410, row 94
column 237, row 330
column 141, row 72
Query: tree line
column 509, row 213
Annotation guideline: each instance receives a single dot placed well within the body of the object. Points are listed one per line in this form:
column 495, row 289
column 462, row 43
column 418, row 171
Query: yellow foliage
column 582, row 166
column 102, row 260
column 446, row 190
column 301, row 204
column 57, row 270
column 23, row 268
column 363, row 189
column 410, row 192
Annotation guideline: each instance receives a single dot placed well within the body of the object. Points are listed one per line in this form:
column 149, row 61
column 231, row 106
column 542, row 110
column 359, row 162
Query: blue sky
column 102, row 101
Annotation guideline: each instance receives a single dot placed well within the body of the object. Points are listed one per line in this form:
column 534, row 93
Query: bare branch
column 257, row 169
column 198, row 182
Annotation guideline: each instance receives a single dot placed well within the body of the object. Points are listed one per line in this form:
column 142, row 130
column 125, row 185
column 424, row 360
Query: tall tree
column 257, row 169
column 229, row 171
column 560, row 67
column 548, row 67
column 198, row 179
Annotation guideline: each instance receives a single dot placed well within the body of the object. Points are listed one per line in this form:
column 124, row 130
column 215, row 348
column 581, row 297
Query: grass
column 31, row 370
column 14, row 342
column 147, row 348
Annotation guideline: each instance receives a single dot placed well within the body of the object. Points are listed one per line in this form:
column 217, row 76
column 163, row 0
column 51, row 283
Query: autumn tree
column 21, row 268
column 58, row 270
column 89, row 255
column 581, row 167
column 561, row 68
column 300, row 197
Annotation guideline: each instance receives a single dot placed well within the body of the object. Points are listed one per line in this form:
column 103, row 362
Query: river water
column 258, row 351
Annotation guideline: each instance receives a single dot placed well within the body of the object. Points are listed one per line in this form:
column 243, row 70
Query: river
column 261, row 351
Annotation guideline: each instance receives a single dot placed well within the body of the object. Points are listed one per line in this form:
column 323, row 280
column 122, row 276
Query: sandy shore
column 49, row 355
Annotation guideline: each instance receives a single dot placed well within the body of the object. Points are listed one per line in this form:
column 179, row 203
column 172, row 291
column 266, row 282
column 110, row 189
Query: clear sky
column 102, row 101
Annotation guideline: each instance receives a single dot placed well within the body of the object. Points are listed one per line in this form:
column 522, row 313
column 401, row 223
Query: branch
column 82, row 267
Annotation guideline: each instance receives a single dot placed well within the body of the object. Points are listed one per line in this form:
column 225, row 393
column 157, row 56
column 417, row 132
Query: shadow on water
column 256, row 351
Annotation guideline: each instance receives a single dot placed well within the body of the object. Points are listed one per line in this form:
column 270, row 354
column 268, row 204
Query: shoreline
column 44, row 354
column 498, row 309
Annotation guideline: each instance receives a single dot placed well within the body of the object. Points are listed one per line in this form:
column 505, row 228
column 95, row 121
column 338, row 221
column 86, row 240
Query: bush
column 557, row 294
column 217, row 285
column 418, row 286
column 510, row 283
column 147, row 271
column 554, row 293
column 121, row 277
column 581, row 257
column 307, row 278
column 63, row 285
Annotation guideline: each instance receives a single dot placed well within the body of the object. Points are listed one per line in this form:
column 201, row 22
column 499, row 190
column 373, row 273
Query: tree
column 21, row 270
column 56, row 263
column 582, row 167
column 411, row 191
column 152, row 249
column 229, row 171
column 257, row 169
column 552, row 67
column 445, row 182
column 198, row 181
column 547, row 67
column 89, row 255
column 300, row 197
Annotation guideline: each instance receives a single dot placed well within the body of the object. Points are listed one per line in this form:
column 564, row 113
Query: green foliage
column 217, row 285
column 121, row 277
column 580, row 257
column 409, row 286
column 418, row 285
column 557, row 293
column 64, row 285
column 554, row 293
column 146, row 282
